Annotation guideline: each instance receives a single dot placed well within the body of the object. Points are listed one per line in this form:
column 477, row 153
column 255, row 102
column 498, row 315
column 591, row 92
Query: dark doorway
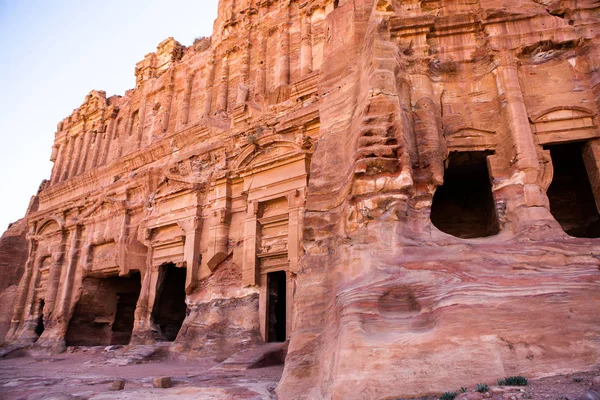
column 276, row 306
column 464, row 205
column 169, row 307
column 104, row 314
column 570, row 193
column 39, row 328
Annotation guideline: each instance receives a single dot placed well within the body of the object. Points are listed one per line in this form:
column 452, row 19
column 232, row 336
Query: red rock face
column 409, row 191
column 13, row 255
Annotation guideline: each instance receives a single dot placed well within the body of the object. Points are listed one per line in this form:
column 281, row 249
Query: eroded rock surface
column 408, row 191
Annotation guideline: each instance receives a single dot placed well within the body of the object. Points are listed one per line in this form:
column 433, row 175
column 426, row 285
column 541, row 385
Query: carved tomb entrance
column 570, row 193
column 276, row 306
column 170, row 308
column 104, row 314
column 39, row 328
column 464, row 205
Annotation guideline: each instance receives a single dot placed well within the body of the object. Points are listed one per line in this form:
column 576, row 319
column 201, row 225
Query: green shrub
column 448, row 396
column 513, row 381
column 463, row 389
column 481, row 387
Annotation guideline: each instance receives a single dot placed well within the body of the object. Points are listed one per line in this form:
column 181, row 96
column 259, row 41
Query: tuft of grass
column 513, row 381
column 463, row 389
column 448, row 396
column 481, row 387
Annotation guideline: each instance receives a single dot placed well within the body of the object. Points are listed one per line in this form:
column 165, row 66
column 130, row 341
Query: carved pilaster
column 261, row 74
column 283, row 58
column 187, row 96
column 59, row 163
column 430, row 143
column 218, row 240
column 250, row 273
column 209, row 85
column 306, row 45
column 169, row 101
column 223, row 85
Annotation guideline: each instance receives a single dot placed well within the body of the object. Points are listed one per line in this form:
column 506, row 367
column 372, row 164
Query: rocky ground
column 578, row 386
column 91, row 373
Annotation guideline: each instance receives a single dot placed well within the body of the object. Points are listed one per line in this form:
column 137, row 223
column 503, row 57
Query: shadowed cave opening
column 570, row 194
column 464, row 205
column 169, row 307
column 276, row 306
column 104, row 314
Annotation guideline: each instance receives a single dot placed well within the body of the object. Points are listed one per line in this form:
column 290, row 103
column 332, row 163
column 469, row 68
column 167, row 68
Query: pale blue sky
column 53, row 52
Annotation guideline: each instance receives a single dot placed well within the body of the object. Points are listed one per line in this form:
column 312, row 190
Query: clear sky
column 53, row 52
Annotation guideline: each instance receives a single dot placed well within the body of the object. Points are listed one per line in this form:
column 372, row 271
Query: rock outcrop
column 408, row 191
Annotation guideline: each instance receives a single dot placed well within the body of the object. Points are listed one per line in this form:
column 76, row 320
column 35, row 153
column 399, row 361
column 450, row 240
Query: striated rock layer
column 408, row 191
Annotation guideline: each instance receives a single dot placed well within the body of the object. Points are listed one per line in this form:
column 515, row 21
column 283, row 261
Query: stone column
column 23, row 290
column 218, row 233
column 430, row 143
column 187, row 96
column 110, row 135
column 69, row 159
column 142, row 326
column 76, row 155
column 87, row 137
column 283, row 57
column 97, row 148
column 223, row 85
column 209, row 85
column 63, row 307
column 169, row 101
column 532, row 206
column 250, row 273
column 54, row 278
column 141, row 120
column 261, row 73
column 306, row 45
column 242, row 94
column 517, row 117
column 296, row 201
column 191, row 250
column 58, row 166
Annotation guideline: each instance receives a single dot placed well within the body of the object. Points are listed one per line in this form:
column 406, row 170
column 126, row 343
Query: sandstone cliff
column 408, row 191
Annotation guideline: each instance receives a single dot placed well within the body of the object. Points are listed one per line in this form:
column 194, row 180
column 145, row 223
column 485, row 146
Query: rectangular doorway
column 570, row 194
column 276, row 307
column 169, row 307
column 464, row 205
column 104, row 314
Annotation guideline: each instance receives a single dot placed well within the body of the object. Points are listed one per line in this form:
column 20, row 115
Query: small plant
column 463, row 389
column 448, row 396
column 481, row 387
column 513, row 381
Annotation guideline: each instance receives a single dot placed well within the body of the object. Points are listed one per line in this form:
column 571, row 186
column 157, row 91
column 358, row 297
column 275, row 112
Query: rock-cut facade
column 407, row 192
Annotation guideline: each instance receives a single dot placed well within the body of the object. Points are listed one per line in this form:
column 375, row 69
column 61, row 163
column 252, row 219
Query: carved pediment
column 261, row 153
column 563, row 124
column 472, row 138
column 49, row 226
column 563, row 113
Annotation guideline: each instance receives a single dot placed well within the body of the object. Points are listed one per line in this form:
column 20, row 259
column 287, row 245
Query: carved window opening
column 169, row 307
column 39, row 328
column 104, row 314
column 570, row 193
column 464, row 205
column 276, row 306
